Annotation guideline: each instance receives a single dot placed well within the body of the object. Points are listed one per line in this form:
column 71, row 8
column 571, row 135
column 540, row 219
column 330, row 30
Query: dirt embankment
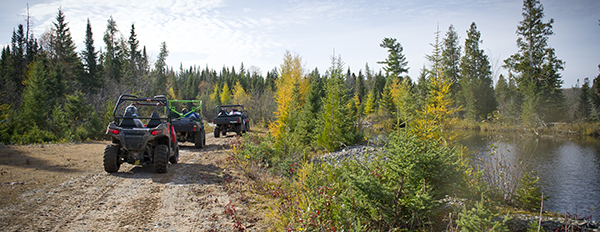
column 63, row 187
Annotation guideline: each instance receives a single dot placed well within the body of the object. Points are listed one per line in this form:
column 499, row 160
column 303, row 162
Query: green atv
column 188, row 125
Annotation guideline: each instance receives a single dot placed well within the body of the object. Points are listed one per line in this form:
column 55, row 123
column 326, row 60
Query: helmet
column 131, row 109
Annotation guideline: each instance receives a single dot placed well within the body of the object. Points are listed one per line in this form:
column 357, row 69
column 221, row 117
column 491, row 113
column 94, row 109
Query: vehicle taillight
column 239, row 120
column 156, row 132
column 213, row 121
column 114, row 131
column 195, row 127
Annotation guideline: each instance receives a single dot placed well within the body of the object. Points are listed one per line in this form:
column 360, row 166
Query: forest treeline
column 53, row 92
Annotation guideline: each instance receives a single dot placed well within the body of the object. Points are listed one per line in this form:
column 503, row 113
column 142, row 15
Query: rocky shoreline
column 518, row 222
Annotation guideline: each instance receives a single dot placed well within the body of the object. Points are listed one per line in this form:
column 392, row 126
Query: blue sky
column 221, row 33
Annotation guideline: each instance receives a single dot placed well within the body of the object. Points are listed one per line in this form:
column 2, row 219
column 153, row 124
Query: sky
column 218, row 33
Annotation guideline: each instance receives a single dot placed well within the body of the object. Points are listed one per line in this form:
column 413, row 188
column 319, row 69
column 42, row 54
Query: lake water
column 569, row 169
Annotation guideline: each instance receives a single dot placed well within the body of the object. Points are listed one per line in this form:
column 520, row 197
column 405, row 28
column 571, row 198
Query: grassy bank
column 578, row 129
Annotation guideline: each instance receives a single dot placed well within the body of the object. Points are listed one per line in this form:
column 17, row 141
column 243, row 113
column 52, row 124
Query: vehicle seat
column 154, row 120
column 127, row 120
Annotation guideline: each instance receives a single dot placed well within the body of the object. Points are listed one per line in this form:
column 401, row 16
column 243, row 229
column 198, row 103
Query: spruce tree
column 338, row 127
column 535, row 67
column 90, row 78
column 64, row 50
column 112, row 62
column 135, row 55
column 451, row 54
column 476, row 83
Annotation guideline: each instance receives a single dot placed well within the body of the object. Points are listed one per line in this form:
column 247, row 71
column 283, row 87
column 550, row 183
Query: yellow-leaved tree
column 239, row 94
column 214, row 96
column 225, row 94
column 437, row 117
column 291, row 75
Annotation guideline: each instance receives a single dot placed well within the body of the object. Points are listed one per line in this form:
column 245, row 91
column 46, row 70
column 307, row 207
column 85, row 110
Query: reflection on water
column 569, row 170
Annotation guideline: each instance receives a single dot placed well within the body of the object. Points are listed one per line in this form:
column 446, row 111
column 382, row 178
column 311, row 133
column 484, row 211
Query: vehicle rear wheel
column 199, row 139
column 217, row 132
column 161, row 158
column 238, row 129
column 111, row 158
column 175, row 158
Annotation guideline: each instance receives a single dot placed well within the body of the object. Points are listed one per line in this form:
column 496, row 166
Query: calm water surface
column 569, row 169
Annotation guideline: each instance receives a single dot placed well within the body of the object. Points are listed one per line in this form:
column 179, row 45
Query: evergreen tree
column 535, row 66
column 307, row 127
column 135, row 55
column 338, row 127
column 476, row 83
column 435, row 58
column 395, row 66
column 360, row 86
column 584, row 109
column 40, row 90
column 395, row 63
column 90, row 78
column 65, row 53
column 160, row 70
column 15, row 67
column 451, row 59
column 111, row 60
column 507, row 98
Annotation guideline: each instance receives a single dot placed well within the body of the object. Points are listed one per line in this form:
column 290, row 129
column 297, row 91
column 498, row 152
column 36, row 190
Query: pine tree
column 476, row 83
column 535, row 66
column 395, row 63
column 90, row 78
column 395, row 66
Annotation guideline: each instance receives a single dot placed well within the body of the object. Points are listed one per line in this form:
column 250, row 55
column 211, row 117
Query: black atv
column 231, row 118
column 188, row 125
column 154, row 143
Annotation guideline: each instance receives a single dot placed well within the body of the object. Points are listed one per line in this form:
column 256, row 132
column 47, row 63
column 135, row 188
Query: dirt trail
column 63, row 187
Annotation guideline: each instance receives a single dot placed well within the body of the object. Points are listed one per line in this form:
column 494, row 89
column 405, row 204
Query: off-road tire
column 111, row 155
column 238, row 129
column 199, row 139
column 175, row 158
column 161, row 158
column 217, row 132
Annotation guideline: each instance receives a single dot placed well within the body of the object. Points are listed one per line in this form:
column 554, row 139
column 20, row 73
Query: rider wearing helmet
column 132, row 110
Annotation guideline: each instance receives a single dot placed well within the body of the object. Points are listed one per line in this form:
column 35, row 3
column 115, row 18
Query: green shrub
column 528, row 194
column 481, row 218
column 399, row 188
